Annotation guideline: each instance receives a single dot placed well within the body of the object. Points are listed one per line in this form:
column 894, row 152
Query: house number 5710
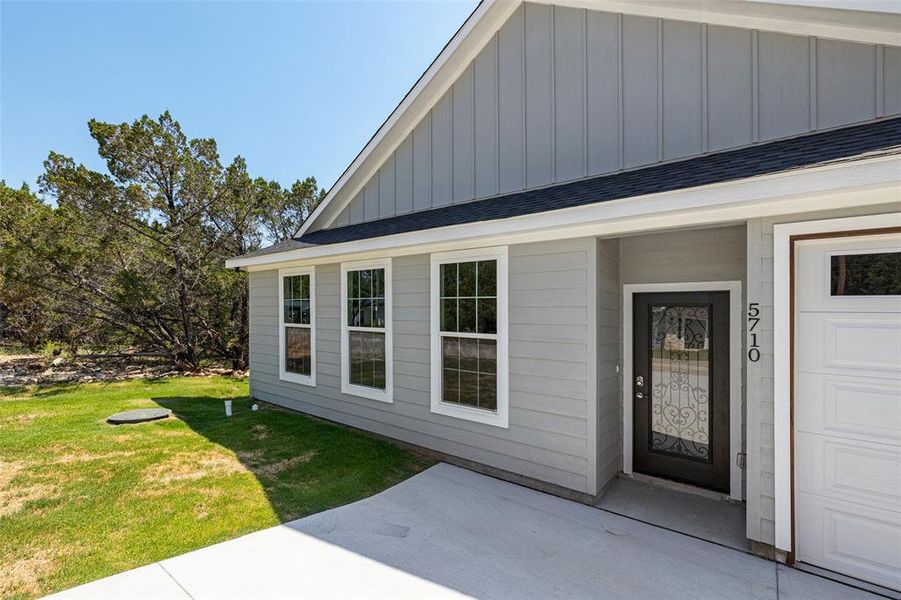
column 753, row 322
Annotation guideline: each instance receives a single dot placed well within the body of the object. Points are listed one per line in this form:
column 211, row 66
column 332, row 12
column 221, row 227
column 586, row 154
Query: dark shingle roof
column 282, row 246
column 880, row 138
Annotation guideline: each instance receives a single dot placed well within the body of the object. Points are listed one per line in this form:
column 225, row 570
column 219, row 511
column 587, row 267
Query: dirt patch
column 8, row 471
column 83, row 456
column 24, row 420
column 272, row 469
column 13, row 498
column 189, row 466
column 12, row 501
column 22, row 575
column 256, row 462
column 135, row 435
column 251, row 457
column 260, row 432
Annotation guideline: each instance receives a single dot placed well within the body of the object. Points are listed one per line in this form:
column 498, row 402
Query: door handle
column 639, row 381
column 639, row 395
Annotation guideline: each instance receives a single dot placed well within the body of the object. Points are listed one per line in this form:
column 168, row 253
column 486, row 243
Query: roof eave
column 728, row 199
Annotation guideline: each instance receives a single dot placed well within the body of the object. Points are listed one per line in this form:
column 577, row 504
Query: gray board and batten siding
column 552, row 347
column 562, row 93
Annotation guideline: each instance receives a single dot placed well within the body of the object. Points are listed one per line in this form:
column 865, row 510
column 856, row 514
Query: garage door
column 847, row 404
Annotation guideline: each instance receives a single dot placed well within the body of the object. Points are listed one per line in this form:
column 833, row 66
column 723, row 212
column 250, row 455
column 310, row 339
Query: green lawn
column 81, row 499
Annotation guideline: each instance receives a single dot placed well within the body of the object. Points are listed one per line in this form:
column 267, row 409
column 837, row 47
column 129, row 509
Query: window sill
column 477, row 415
column 366, row 392
column 309, row 380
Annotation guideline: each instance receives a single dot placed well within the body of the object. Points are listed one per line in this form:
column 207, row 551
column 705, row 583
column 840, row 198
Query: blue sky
column 297, row 88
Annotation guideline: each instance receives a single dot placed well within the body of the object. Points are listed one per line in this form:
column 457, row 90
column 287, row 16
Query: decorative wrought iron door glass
column 680, row 381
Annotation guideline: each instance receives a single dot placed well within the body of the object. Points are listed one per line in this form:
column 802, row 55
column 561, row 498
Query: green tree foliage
column 136, row 255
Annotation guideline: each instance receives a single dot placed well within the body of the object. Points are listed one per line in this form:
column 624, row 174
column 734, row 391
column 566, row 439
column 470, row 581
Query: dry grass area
column 81, row 499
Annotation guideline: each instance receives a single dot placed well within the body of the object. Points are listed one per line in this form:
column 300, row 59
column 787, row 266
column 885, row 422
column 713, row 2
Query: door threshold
column 678, row 486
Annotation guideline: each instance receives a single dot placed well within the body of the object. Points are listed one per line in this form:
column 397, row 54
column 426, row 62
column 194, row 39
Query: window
column 469, row 335
column 366, row 329
column 865, row 274
column 297, row 334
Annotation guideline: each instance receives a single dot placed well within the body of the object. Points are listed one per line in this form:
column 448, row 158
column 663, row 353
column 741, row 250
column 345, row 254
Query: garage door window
column 865, row 274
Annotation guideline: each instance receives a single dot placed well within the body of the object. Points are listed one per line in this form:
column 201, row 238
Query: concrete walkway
column 451, row 533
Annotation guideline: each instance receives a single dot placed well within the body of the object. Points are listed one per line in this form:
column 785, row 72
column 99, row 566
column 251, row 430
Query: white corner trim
column 283, row 373
column 735, row 358
column 500, row 418
column 782, row 322
column 386, row 395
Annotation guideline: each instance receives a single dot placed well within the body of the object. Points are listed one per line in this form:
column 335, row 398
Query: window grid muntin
column 308, row 361
column 371, row 292
column 476, row 297
column 474, row 293
column 297, row 295
column 297, row 289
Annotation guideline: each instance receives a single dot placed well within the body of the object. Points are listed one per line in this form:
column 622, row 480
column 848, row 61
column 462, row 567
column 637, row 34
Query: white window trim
column 386, row 395
column 283, row 374
column 501, row 417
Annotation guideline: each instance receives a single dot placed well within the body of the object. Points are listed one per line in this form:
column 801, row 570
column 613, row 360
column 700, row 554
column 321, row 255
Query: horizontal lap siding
column 550, row 365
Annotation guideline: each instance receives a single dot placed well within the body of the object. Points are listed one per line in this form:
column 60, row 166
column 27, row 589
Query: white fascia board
column 485, row 20
column 876, row 181
column 869, row 27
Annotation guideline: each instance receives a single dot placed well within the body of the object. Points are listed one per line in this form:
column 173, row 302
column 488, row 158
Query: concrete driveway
column 450, row 533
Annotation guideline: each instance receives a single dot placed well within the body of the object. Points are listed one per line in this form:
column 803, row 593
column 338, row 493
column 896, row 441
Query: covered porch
column 671, row 380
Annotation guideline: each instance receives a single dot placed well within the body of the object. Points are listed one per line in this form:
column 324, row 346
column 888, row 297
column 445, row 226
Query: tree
column 138, row 252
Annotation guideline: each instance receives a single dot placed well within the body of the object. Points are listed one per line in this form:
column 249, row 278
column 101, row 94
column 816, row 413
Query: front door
column 680, row 389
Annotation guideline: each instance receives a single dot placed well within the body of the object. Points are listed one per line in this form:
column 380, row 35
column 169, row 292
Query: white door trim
column 735, row 358
column 782, row 321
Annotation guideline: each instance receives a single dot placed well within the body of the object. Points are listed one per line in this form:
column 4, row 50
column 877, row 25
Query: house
column 602, row 238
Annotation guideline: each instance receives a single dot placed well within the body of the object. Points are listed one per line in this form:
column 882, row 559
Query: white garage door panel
column 855, row 407
column 847, row 418
column 851, row 471
column 851, row 344
column 852, row 539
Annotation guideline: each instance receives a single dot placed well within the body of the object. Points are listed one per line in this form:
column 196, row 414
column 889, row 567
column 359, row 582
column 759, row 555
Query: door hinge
column 741, row 460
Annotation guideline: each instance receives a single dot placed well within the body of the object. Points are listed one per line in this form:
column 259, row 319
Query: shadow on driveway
column 448, row 532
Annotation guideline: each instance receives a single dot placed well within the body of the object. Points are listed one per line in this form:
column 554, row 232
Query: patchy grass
column 81, row 499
